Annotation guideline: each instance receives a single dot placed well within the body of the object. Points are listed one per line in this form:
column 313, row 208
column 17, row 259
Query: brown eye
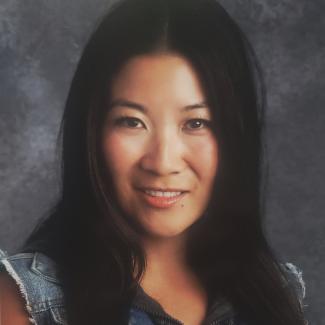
column 198, row 123
column 130, row 122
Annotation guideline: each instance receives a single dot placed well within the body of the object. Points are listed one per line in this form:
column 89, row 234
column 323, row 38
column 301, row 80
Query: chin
column 165, row 232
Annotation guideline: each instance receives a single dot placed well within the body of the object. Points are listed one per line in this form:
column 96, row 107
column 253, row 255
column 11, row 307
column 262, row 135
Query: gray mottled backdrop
column 40, row 43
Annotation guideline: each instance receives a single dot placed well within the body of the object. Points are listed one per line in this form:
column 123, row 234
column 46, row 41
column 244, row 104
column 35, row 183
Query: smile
column 162, row 193
column 159, row 199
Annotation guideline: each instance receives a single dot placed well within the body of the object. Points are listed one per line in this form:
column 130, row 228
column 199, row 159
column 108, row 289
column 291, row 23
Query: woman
column 159, row 221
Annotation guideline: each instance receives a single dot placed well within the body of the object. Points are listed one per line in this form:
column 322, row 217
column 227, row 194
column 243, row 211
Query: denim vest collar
column 45, row 266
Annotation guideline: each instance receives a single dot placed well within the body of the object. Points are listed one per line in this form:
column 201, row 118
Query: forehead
column 157, row 79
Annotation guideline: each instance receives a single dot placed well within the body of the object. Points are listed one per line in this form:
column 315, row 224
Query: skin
column 164, row 147
column 12, row 304
column 160, row 148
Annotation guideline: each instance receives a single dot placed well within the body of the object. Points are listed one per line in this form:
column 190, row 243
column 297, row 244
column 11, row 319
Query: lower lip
column 162, row 201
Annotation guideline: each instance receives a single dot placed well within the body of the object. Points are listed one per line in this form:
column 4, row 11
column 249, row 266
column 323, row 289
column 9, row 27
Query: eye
column 129, row 122
column 197, row 123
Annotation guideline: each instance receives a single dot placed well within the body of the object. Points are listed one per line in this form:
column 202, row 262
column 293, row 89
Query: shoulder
column 294, row 279
column 13, row 309
column 34, row 276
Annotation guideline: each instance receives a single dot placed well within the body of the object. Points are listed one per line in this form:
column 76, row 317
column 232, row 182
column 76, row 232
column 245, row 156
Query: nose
column 163, row 155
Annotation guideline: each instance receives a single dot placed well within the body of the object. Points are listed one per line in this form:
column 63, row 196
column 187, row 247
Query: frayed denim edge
column 21, row 287
column 298, row 272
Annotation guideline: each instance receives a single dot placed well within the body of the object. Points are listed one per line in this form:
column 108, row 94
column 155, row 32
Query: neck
column 166, row 261
column 167, row 271
column 165, row 252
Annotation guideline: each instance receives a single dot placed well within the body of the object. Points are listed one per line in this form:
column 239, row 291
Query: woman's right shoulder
column 30, row 285
column 13, row 308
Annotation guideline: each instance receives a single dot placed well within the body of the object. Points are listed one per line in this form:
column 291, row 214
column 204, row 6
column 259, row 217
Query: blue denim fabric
column 138, row 317
column 35, row 275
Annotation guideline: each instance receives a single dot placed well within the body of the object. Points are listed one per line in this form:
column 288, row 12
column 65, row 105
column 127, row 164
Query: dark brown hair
column 94, row 244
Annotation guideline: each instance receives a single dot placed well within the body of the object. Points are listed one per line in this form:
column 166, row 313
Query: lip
column 161, row 201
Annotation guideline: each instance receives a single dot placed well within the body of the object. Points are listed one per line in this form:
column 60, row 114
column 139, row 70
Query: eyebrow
column 141, row 108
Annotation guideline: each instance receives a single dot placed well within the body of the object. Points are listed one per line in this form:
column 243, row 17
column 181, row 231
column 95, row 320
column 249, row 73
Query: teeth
column 164, row 194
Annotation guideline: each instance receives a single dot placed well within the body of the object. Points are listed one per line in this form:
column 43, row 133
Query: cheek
column 120, row 153
column 204, row 153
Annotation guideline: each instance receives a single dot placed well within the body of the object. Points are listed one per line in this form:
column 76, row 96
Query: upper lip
column 162, row 189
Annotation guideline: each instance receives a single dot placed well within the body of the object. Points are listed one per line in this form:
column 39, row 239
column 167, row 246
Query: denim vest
column 35, row 275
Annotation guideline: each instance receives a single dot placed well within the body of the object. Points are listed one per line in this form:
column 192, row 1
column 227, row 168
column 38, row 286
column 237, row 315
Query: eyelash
column 121, row 120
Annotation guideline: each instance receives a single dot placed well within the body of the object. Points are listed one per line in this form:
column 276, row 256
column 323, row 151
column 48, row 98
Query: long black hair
column 95, row 246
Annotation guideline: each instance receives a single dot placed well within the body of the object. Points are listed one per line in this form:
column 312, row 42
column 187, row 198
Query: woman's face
column 157, row 136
